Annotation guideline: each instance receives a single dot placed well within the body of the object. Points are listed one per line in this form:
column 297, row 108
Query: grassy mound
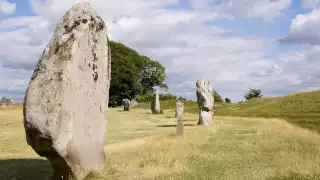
column 301, row 108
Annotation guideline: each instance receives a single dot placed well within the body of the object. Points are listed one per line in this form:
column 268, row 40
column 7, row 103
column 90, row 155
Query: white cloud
column 178, row 38
column 22, row 21
column 267, row 10
column 305, row 65
column 310, row 3
column 304, row 29
column 13, row 82
column 7, row 7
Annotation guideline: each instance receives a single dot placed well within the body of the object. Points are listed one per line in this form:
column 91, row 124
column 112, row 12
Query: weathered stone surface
column 126, row 104
column 179, row 113
column 155, row 104
column 66, row 101
column 205, row 102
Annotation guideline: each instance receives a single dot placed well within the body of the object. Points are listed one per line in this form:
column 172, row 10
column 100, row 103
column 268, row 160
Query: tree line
column 162, row 97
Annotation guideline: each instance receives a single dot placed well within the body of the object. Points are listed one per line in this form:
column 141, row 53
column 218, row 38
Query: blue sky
column 236, row 44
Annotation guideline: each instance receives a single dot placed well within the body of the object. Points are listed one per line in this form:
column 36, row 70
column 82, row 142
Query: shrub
column 227, row 100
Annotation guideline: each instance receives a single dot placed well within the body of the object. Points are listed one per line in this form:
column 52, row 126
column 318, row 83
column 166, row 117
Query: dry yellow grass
column 143, row 146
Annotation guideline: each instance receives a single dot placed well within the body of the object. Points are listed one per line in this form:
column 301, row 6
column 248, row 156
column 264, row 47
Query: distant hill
column 301, row 108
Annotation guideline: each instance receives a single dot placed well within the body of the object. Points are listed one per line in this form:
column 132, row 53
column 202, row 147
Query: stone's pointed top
column 179, row 103
column 85, row 3
column 203, row 82
column 82, row 5
column 81, row 8
column 79, row 18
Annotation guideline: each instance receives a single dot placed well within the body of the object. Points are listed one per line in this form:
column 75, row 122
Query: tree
column 124, row 74
column 217, row 97
column 132, row 74
column 253, row 93
column 152, row 74
column 182, row 99
column 227, row 100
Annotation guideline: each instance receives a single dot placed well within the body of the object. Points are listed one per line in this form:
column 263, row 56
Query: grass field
column 143, row 146
column 302, row 108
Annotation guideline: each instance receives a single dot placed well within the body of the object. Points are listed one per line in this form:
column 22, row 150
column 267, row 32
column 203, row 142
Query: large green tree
column 253, row 93
column 152, row 74
column 132, row 74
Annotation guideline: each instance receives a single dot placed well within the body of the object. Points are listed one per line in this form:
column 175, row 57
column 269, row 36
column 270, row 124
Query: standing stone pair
column 67, row 98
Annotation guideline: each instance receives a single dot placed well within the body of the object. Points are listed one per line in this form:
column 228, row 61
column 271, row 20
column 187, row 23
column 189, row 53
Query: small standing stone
column 5, row 102
column 205, row 102
column 155, row 104
column 126, row 104
column 179, row 112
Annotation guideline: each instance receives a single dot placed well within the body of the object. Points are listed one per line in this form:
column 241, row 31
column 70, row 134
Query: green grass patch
column 302, row 108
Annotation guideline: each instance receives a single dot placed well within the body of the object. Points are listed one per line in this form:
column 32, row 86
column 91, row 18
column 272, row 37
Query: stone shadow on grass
column 121, row 110
column 174, row 125
column 191, row 120
column 24, row 169
column 295, row 176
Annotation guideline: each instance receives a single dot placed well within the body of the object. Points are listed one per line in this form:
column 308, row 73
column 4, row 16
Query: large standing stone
column 126, row 104
column 179, row 112
column 155, row 104
column 66, row 101
column 205, row 102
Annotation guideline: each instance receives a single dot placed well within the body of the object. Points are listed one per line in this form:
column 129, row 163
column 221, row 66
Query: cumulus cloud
column 304, row 67
column 267, row 10
column 303, row 29
column 310, row 3
column 7, row 7
column 17, row 22
column 183, row 40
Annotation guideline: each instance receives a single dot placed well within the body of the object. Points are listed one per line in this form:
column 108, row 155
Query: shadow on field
column 174, row 125
column 196, row 121
column 169, row 117
column 295, row 176
column 24, row 169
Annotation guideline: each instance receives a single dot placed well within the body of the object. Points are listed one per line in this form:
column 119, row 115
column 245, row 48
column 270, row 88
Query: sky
column 272, row 45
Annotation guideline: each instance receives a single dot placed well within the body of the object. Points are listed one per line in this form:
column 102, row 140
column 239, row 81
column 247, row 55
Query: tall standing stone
column 205, row 102
column 126, row 104
column 155, row 104
column 66, row 101
column 179, row 112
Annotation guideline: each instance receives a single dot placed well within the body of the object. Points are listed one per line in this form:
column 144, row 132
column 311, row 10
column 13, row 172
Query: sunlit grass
column 143, row 146
column 302, row 109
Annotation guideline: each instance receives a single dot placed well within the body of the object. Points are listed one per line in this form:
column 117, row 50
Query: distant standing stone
column 126, row 104
column 155, row 104
column 205, row 102
column 179, row 111
column 65, row 103
column 5, row 102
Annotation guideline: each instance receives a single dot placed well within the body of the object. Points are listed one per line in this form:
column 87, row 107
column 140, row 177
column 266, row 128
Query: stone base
column 205, row 118
column 180, row 129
